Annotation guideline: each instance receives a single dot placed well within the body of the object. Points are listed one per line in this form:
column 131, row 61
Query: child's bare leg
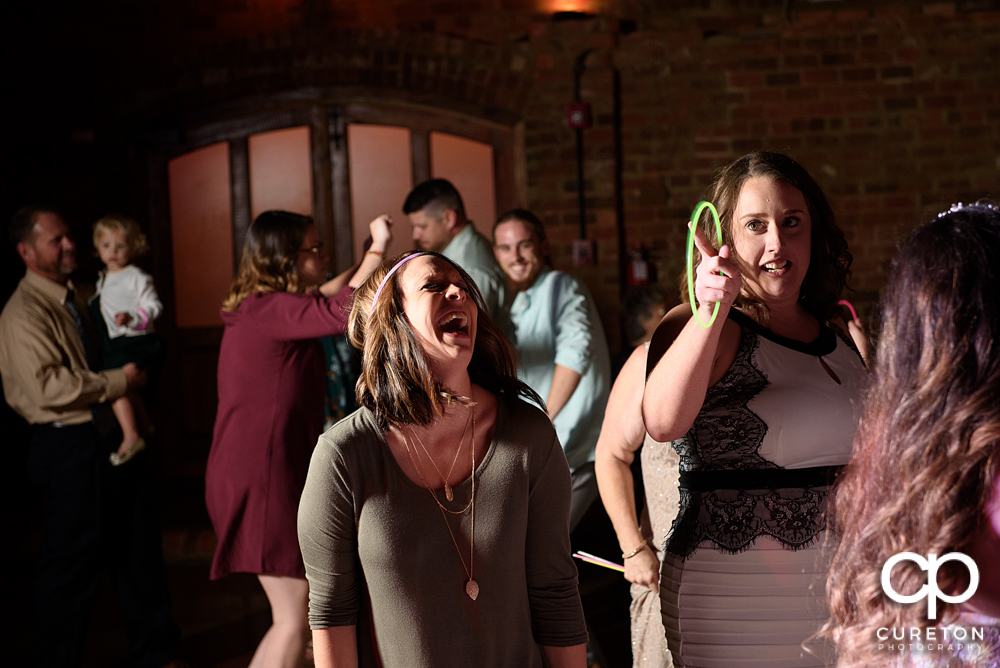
column 125, row 414
column 141, row 415
column 131, row 441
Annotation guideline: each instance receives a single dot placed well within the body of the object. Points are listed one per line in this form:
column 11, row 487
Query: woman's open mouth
column 777, row 268
column 455, row 323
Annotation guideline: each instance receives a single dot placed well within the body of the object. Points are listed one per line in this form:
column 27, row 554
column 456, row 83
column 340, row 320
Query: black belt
column 706, row 481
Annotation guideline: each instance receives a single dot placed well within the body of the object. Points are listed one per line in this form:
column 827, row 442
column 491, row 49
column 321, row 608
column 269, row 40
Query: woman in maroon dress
column 271, row 388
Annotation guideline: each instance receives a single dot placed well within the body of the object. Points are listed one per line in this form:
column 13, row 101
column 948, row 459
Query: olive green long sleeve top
column 378, row 555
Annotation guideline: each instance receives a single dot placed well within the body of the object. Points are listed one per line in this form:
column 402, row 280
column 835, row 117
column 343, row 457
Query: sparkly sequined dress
column 659, row 477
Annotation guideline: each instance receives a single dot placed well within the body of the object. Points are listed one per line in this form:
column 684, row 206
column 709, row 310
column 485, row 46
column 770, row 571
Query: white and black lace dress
column 745, row 562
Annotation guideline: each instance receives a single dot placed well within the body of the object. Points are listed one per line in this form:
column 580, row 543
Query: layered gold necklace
column 448, row 492
column 471, row 586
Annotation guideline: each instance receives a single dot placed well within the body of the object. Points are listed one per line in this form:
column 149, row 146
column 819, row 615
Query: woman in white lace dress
column 761, row 407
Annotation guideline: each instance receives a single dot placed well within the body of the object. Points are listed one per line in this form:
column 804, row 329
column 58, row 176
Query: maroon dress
column 272, row 381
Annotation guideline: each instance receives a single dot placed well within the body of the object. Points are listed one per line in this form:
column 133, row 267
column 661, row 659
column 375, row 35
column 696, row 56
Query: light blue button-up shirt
column 556, row 322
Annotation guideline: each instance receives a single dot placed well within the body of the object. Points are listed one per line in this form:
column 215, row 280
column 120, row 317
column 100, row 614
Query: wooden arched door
column 341, row 163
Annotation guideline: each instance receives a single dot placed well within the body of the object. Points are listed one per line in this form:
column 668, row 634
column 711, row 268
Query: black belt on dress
column 707, row 481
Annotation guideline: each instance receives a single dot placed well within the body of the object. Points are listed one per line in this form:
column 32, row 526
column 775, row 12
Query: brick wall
column 895, row 111
column 893, row 106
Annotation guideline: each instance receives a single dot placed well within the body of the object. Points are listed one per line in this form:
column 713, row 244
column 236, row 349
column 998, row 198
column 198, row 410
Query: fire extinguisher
column 640, row 270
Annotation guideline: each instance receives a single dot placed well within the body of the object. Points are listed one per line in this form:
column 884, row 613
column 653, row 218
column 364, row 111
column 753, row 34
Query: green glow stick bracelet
column 690, row 257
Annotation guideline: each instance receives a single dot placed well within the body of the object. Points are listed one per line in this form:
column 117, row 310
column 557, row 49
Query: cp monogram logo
column 930, row 590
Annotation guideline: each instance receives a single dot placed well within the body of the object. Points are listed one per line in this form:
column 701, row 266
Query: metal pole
column 578, row 67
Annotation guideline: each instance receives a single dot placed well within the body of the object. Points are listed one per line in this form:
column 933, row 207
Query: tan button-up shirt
column 42, row 360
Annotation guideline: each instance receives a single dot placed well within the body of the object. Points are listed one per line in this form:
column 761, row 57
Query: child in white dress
column 128, row 305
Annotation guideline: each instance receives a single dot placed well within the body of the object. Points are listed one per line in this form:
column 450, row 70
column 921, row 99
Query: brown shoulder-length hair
column 926, row 453
column 829, row 262
column 396, row 381
column 270, row 254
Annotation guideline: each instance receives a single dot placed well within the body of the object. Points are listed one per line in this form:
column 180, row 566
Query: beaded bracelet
column 375, row 253
column 635, row 551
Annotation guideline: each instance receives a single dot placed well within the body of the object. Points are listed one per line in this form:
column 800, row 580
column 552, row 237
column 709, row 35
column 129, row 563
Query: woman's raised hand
column 381, row 232
column 717, row 278
column 381, row 236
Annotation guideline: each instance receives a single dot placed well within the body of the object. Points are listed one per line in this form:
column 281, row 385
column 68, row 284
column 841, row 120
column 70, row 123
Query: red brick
column 824, row 108
column 942, row 9
column 837, row 59
column 814, row 17
column 760, row 64
column 977, row 99
column 783, row 79
column 762, row 96
column 801, row 61
column 710, row 147
column 745, row 80
column 896, row 72
column 919, row 88
column 800, row 94
column 819, row 77
column 891, row 11
column 851, row 15
column 940, row 102
column 859, row 106
column 855, row 75
column 901, row 104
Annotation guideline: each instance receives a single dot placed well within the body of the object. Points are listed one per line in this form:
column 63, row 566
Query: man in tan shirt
column 96, row 516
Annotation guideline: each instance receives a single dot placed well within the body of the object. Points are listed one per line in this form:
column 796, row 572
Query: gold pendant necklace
column 448, row 491
column 471, row 586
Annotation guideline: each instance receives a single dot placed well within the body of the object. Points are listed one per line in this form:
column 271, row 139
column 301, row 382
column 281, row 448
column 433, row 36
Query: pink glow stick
column 854, row 314
column 597, row 561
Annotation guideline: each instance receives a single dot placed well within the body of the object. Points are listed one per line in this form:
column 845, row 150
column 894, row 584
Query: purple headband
column 392, row 271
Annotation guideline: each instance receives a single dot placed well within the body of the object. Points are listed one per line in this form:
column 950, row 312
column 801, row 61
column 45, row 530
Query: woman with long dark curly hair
column 925, row 477
column 761, row 407
column 271, row 390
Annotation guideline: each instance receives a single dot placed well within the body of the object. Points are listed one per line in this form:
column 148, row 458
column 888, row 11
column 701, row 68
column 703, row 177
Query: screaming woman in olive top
column 379, row 557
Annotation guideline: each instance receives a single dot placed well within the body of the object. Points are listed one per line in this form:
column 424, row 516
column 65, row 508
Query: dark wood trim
column 185, row 401
column 251, row 116
column 331, row 194
column 322, row 189
column 419, row 117
column 520, row 166
column 420, row 154
column 160, row 236
column 510, row 170
column 243, row 127
column 239, row 191
column 340, row 181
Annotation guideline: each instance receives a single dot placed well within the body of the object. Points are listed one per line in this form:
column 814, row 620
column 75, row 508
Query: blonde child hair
column 134, row 237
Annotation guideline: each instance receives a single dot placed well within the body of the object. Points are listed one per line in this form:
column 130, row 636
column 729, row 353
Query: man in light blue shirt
column 561, row 345
column 437, row 213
